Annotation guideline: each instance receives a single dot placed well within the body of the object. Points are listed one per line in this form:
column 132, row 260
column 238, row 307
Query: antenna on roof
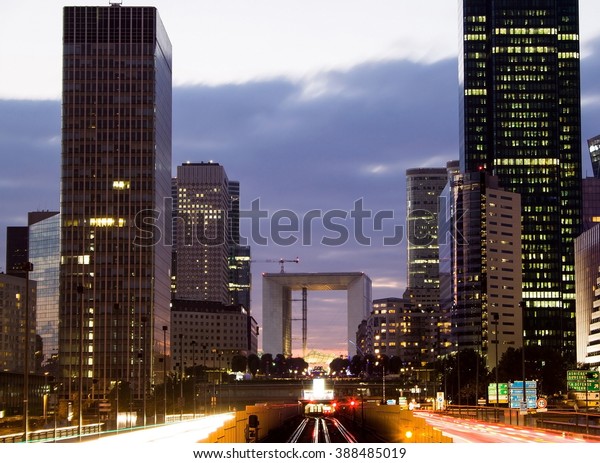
column 114, row 3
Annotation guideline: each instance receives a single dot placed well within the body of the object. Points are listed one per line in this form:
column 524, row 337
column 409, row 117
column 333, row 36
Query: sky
column 312, row 105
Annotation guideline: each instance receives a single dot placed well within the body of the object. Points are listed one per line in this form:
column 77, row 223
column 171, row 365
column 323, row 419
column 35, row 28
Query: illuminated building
column 12, row 320
column 481, row 275
column 594, row 149
column 591, row 188
column 240, row 277
column 116, row 175
column 587, row 282
column 520, row 120
column 423, row 188
column 211, row 333
column 203, row 228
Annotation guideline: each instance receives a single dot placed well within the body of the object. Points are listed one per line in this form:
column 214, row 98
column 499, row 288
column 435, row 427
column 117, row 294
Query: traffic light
column 253, row 421
column 352, row 403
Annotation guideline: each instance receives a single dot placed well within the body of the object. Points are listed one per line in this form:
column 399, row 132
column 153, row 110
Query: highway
column 183, row 433
column 472, row 431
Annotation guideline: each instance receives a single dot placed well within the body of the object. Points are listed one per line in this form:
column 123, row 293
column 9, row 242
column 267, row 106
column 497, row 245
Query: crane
column 280, row 261
column 283, row 261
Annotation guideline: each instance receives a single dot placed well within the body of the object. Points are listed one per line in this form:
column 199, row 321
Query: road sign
column 502, row 393
column 541, row 403
column 516, row 394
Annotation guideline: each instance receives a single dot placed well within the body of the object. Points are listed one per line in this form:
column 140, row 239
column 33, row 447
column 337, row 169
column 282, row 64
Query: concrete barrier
column 236, row 430
column 394, row 424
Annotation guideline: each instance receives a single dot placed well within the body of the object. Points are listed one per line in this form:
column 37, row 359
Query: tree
column 239, row 363
column 338, row 366
column 395, row 364
column 281, row 367
column 266, row 364
column 253, row 364
column 297, row 365
column 468, row 370
column 542, row 364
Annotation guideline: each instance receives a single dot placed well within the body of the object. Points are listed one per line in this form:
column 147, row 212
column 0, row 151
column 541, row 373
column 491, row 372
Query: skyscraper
column 423, row 188
column 116, row 176
column 587, row 264
column 203, row 229
column 482, row 281
column 520, row 120
column 44, row 254
column 594, row 149
column 240, row 277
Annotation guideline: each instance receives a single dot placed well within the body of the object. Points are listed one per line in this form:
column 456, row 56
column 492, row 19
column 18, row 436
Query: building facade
column 44, row 255
column 423, row 189
column 16, row 308
column 587, row 272
column 116, row 175
column 520, row 120
column 594, row 150
column 210, row 333
column 17, row 249
column 482, row 283
column 203, row 233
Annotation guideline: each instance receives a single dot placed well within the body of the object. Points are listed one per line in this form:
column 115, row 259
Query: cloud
column 294, row 145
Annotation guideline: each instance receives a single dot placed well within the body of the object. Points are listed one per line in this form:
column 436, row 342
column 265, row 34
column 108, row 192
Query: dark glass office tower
column 116, row 178
column 594, row 148
column 520, row 120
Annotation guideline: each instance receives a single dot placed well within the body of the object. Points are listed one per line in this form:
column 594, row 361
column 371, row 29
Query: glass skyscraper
column 44, row 254
column 520, row 120
column 423, row 188
column 115, row 188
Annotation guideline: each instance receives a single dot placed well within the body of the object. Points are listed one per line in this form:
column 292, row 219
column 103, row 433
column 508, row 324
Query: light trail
column 185, row 432
column 472, row 431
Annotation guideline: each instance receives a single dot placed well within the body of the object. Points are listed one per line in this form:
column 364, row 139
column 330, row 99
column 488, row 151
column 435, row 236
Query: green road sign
column 502, row 397
column 582, row 380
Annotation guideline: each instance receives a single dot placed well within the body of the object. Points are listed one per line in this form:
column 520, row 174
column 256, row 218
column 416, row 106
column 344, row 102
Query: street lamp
column 181, row 376
column 194, row 343
column 496, row 317
column 80, row 399
column 144, row 319
column 522, row 305
column 164, row 328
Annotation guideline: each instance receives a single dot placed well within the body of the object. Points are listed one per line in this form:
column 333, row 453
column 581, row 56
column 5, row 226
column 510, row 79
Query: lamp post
column 204, row 355
column 80, row 399
column 496, row 316
column 143, row 320
column 180, row 376
column 523, row 305
column 26, row 267
column 45, row 398
column 164, row 328
column 194, row 343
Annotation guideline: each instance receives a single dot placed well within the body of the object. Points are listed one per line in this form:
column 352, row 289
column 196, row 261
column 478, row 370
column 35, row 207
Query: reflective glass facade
column 520, row 120
column 44, row 254
column 594, row 148
column 116, row 179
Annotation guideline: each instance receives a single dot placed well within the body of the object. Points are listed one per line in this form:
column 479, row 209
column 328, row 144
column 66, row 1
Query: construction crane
column 283, row 261
column 280, row 261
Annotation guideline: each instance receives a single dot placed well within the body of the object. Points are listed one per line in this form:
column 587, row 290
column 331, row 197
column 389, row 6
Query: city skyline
column 366, row 119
